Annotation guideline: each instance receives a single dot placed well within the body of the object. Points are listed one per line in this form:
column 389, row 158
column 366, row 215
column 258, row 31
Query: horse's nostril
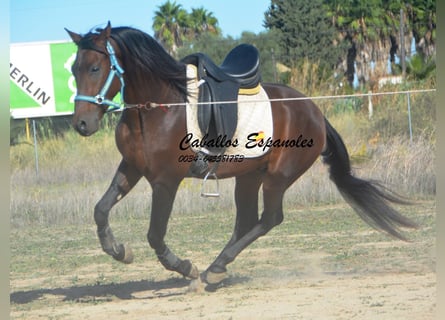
column 81, row 127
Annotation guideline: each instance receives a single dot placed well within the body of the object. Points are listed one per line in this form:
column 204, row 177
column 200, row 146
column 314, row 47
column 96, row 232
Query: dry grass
column 66, row 194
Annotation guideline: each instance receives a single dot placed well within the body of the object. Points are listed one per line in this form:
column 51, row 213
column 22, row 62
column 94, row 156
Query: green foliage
column 422, row 22
column 215, row 46
column 173, row 25
column 372, row 27
column 202, row 22
column 333, row 34
column 304, row 31
column 168, row 24
column 420, row 68
column 309, row 78
column 347, row 105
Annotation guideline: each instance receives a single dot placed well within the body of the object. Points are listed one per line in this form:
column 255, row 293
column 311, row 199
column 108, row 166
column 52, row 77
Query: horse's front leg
column 162, row 204
column 124, row 180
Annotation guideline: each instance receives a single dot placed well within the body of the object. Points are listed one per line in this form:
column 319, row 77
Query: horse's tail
column 369, row 199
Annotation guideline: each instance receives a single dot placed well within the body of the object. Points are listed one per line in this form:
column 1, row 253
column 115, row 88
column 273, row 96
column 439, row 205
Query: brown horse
column 124, row 59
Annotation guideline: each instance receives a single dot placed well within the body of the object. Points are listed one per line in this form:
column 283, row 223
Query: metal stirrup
column 210, row 174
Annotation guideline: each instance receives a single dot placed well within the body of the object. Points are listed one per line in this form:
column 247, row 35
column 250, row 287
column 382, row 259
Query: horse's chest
column 131, row 146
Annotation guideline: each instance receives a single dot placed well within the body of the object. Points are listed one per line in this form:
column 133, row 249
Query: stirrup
column 204, row 192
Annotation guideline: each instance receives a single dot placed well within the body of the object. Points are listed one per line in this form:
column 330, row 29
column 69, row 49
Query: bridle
column 115, row 70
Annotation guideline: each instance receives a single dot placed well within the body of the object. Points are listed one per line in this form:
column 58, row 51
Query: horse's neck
column 152, row 91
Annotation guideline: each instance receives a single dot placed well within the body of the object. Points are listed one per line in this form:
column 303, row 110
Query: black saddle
column 240, row 69
column 241, row 65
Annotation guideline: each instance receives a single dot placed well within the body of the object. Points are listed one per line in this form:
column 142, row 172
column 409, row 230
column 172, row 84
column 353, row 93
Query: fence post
column 370, row 108
column 28, row 136
column 274, row 63
column 409, row 118
column 35, row 147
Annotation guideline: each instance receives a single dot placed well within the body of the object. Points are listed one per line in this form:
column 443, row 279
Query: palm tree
column 203, row 21
column 419, row 68
column 170, row 24
column 422, row 18
column 372, row 28
column 362, row 24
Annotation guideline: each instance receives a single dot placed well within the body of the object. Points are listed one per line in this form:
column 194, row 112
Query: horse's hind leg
column 253, row 229
column 124, row 180
column 246, row 200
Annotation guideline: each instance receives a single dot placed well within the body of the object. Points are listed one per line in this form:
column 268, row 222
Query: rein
column 115, row 70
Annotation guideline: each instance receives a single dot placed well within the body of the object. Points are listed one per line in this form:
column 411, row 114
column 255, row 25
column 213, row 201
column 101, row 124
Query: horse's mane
column 143, row 54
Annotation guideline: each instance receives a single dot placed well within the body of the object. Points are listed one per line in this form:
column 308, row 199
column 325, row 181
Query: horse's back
column 291, row 107
column 299, row 125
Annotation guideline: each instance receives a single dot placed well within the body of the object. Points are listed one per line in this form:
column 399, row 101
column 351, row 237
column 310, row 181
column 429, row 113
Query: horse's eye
column 95, row 69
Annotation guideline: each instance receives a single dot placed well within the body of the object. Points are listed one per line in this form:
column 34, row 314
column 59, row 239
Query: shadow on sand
column 142, row 289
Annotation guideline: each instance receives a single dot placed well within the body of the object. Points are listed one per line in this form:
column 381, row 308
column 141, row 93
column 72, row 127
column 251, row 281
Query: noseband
column 115, row 70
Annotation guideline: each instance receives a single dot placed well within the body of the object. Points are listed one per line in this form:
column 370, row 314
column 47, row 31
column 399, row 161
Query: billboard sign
column 41, row 83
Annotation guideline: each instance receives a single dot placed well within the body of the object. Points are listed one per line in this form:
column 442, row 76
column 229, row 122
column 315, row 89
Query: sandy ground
column 313, row 295
column 360, row 279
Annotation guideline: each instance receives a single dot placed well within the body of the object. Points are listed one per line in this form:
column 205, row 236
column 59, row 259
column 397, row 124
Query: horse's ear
column 74, row 36
column 105, row 33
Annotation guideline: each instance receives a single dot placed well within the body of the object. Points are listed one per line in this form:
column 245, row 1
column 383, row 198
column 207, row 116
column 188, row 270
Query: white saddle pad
column 254, row 122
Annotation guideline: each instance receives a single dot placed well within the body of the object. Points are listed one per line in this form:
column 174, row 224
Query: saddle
column 239, row 70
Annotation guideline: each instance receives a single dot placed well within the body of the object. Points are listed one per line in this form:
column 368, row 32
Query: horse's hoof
column 122, row 254
column 187, row 269
column 214, row 278
column 194, row 273
column 128, row 255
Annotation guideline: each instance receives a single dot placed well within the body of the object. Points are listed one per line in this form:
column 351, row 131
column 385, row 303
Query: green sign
column 64, row 84
column 41, row 83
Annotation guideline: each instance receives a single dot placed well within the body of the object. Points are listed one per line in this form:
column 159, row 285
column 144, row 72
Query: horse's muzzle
column 81, row 127
column 85, row 128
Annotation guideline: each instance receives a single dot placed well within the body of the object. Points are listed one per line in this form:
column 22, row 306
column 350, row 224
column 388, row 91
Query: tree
column 372, row 31
column 173, row 25
column 421, row 16
column 215, row 46
column 419, row 68
column 304, row 31
column 362, row 24
column 170, row 24
column 203, row 21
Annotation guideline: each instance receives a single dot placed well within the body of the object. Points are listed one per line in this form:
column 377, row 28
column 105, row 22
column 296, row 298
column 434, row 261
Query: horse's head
column 97, row 73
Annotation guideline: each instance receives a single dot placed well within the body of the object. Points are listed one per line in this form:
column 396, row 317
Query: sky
column 45, row 20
